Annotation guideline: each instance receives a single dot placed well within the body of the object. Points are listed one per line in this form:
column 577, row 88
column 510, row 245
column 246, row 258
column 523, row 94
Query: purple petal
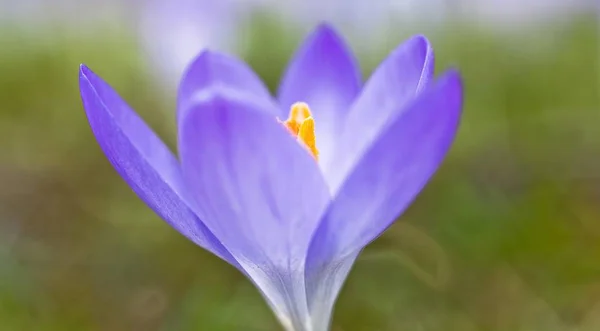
column 216, row 70
column 324, row 74
column 143, row 160
column 257, row 186
column 388, row 177
column 396, row 82
column 258, row 190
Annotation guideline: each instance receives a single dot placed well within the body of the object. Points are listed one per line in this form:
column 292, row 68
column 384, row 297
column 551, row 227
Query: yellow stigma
column 302, row 126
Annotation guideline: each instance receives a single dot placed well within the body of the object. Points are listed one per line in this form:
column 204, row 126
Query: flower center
column 301, row 125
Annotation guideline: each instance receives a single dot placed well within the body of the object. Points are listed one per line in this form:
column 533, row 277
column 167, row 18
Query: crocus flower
column 290, row 202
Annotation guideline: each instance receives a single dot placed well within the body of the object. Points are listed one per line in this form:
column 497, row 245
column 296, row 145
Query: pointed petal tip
column 419, row 43
column 204, row 53
column 84, row 70
column 326, row 32
column 206, row 61
column 325, row 27
column 200, row 57
column 420, row 38
column 84, row 79
column 204, row 57
column 452, row 78
column 450, row 87
column 87, row 76
column 452, row 73
column 212, row 70
column 207, row 53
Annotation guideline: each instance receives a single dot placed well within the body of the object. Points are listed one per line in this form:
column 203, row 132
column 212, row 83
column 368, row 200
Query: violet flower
column 246, row 189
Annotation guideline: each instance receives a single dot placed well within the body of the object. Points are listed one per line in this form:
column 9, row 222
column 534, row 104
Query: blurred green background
column 505, row 238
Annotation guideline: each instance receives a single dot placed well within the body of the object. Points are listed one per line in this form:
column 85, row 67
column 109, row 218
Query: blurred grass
column 512, row 216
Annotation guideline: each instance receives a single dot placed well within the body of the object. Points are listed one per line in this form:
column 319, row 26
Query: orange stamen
column 302, row 126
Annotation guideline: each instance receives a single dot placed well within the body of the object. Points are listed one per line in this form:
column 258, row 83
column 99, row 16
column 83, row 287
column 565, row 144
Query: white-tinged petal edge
column 214, row 70
column 396, row 82
column 142, row 160
column 260, row 192
column 382, row 185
